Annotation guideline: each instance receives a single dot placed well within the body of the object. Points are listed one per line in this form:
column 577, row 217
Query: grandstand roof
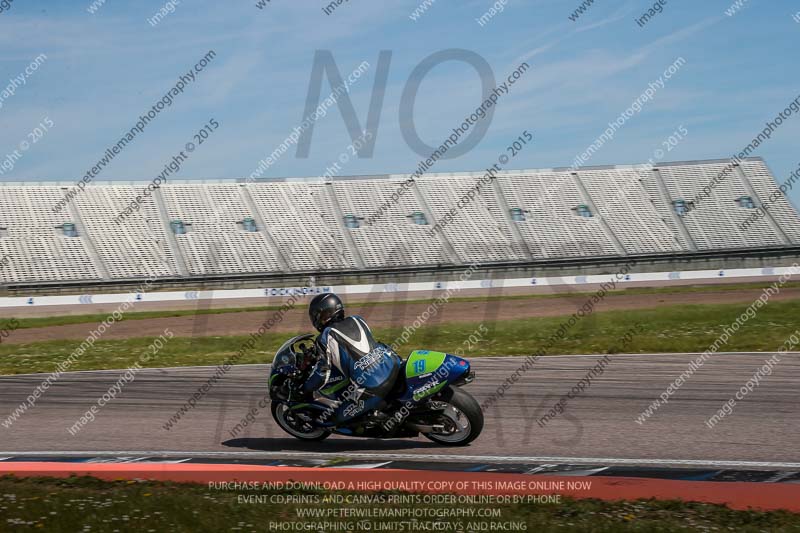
column 281, row 179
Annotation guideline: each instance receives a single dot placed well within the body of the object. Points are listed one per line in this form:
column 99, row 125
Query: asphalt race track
column 598, row 426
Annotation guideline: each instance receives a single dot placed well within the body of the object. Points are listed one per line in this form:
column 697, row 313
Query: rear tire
column 466, row 408
column 279, row 413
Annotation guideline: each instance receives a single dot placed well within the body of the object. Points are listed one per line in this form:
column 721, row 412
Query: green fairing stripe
column 272, row 379
column 423, row 362
column 298, row 406
column 338, row 386
column 430, row 391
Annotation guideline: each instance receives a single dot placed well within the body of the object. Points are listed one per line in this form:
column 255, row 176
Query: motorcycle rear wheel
column 462, row 418
column 293, row 426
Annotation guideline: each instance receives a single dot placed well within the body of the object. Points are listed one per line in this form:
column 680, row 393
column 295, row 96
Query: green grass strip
column 88, row 504
column 679, row 328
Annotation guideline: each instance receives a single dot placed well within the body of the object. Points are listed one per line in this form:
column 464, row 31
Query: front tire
column 294, row 426
column 463, row 419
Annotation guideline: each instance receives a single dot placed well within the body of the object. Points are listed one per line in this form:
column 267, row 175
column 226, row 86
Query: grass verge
column 89, row 504
column 680, row 328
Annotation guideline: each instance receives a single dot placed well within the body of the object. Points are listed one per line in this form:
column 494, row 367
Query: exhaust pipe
column 424, row 428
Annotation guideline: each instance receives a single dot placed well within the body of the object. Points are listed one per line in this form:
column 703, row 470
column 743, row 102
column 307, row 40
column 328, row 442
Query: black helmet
column 324, row 309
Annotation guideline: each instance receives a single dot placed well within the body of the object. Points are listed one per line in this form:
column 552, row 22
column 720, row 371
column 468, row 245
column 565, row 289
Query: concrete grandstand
column 186, row 231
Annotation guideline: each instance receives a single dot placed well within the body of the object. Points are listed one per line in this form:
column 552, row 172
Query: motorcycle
column 426, row 398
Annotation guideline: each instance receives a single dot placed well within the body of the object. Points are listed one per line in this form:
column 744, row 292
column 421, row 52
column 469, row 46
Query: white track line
column 408, row 456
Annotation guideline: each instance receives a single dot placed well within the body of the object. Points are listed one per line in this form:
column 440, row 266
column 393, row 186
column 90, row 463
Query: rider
column 351, row 365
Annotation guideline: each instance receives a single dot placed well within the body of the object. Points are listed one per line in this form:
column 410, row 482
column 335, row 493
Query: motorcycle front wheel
column 297, row 424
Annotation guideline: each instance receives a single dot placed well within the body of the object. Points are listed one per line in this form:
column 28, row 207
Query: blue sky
column 105, row 69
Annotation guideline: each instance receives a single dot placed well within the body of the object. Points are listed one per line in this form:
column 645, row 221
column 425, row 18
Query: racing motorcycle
column 426, row 398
